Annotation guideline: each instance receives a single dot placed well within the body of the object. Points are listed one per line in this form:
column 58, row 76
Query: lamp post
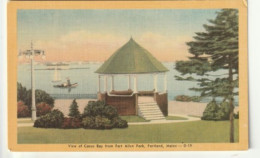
column 31, row 53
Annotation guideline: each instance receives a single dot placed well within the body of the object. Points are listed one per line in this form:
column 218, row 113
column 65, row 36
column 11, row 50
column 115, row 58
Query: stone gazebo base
column 127, row 102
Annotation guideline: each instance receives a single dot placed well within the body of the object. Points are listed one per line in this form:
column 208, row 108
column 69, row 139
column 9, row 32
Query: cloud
column 84, row 45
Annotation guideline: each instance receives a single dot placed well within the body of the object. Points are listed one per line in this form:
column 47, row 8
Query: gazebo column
column 99, row 83
column 165, row 82
column 129, row 82
column 112, row 83
column 155, row 83
column 135, row 84
column 105, row 84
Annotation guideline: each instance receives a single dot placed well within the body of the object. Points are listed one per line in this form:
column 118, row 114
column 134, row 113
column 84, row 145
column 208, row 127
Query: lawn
column 175, row 118
column 140, row 119
column 187, row 132
column 133, row 119
column 24, row 121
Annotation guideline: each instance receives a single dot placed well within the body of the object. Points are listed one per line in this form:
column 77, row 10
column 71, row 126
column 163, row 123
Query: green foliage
column 196, row 66
column 98, row 115
column 99, row 108
column 185, row 98
column 40, row 96
column 214, row 49
column 26, row 96
column 223, row 112
column 74, row 109
column 216, row 112
column 100, row 122
column 211, row 111
column 89, row 122
column 21, row 92
column 119, row 123
column 54, row 119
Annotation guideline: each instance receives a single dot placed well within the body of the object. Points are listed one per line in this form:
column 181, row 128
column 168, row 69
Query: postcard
column 127, row 75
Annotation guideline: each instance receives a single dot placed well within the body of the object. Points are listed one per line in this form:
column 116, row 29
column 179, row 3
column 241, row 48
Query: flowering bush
column 43, row 108
column 22, row 110
column 69, row 123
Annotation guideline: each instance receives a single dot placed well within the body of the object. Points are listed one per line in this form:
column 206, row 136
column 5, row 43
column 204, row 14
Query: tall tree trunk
column 231, row 98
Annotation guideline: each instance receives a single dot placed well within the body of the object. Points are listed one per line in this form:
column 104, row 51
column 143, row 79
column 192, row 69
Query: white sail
column 56, row 77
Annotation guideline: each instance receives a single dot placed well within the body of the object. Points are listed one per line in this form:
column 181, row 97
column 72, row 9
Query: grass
column 187, row 132
column 194, row 116
column 175, row 118
column 133, row 119
column 25, row 121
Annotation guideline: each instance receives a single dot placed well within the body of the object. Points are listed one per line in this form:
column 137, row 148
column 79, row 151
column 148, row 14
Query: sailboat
column 56, row 77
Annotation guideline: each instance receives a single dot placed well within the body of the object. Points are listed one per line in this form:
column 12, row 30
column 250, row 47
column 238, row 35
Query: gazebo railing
column 128, row 93
column 119, row 95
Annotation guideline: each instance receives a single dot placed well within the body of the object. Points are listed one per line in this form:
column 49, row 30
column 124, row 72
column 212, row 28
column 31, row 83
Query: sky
column 94, row 35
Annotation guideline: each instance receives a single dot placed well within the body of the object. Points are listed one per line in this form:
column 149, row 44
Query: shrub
column 217, row 112
column 54, row 119
column 70, row 123
column 223, row 113
column 94, row 108
column 97, row 122
column 43, row 108
column 89, row 122
column 210, row 113
column 22, row 110
column 98, row 115
column 109, row 112
column 119, row 123
column 98, row 108
column 74, row 109
column 103, row 123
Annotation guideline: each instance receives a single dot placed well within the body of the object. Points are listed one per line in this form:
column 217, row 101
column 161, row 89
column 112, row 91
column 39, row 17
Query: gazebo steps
column 150, row 111
column 149, row 108
column 147, row 104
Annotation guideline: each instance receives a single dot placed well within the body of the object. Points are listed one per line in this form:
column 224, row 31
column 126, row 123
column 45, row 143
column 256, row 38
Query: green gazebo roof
column 131, row 58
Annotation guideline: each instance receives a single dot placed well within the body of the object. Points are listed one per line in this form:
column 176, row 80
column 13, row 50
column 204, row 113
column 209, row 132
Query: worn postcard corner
column 127, row 76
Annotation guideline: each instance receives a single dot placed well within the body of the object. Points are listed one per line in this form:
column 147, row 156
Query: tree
column 26, row 96
column 74, row 109
column 213, row 50
column 40, row 96
column 21, row 92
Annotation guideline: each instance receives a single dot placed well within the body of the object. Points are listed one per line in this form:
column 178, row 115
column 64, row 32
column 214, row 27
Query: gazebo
column 132, row 61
